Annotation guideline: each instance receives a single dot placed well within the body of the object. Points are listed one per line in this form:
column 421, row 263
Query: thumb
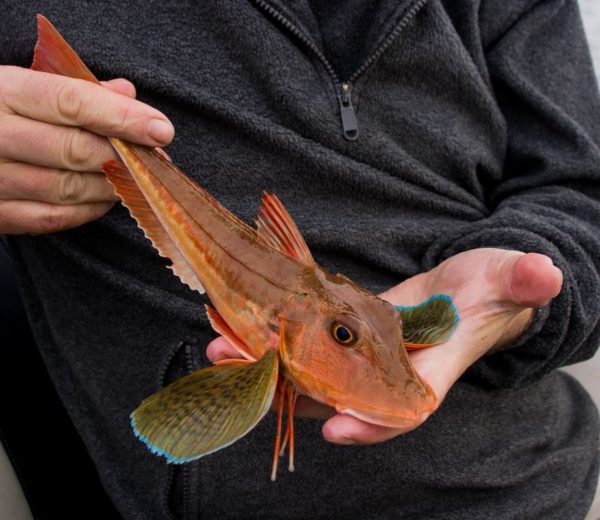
column 530, row 280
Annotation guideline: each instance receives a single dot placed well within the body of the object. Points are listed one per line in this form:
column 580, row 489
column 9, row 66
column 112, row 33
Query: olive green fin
column 429, row 323
column 207, row 410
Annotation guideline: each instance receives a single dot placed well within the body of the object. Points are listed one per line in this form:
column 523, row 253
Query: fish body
column 298, row 328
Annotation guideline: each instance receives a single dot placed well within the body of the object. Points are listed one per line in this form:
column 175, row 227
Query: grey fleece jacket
column 479, row 126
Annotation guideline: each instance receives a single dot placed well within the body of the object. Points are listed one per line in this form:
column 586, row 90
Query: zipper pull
column 347, row 113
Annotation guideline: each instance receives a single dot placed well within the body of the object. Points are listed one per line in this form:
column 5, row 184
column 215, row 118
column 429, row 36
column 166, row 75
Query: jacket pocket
column 183, row 480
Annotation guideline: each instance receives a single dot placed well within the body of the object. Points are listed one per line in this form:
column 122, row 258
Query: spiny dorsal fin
column 429, row 323
column 53, row 54
column 133, row 199
column 277, row 229
column 220, row 326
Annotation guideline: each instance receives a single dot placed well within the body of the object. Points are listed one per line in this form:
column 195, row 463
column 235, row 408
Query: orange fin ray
column 134, row 200
column 221, row 326
column 276, row 228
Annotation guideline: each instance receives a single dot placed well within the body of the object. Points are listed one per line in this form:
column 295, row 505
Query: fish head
column 342, row 345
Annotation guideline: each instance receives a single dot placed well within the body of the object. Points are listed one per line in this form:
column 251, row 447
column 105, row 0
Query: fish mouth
column 390, row 418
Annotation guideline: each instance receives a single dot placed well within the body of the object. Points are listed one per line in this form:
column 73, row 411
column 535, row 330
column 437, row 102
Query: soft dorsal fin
column 276, row 228
column 133, row 199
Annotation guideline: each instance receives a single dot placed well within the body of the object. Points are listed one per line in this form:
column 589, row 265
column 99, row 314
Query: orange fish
column 297, row 328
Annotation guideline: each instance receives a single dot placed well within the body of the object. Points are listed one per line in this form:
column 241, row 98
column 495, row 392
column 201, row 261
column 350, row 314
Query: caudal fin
column 53, row 54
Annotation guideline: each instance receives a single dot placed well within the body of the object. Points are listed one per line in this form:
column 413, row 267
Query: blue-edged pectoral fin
column 429, row 323
column 207, row 410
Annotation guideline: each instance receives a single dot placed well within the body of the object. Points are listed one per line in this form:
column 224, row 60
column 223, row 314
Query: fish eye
column 342, row 334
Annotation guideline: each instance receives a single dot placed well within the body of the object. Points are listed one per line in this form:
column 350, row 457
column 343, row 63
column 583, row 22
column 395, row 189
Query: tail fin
column 53, row 54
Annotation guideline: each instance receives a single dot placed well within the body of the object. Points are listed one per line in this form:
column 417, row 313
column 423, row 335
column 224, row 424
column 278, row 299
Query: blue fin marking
column 429, row 300
column 159, row 451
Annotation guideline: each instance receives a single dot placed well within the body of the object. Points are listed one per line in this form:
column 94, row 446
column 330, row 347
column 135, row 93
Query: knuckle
column 70, row 187
column 70, row 100
column 78, row 149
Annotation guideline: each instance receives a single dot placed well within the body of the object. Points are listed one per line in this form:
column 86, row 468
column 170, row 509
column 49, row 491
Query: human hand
column 495, row 292
column 52, row 149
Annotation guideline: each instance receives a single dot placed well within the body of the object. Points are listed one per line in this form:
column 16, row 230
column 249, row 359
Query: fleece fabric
column 479, row 126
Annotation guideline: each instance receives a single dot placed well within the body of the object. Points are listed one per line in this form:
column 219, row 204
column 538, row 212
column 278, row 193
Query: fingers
column 19, row 181
column 72, row 102
column 20, row 217
column 534, row 280
column 50, row 146
column 345, row 429
column 34, row 142
column 219, row 349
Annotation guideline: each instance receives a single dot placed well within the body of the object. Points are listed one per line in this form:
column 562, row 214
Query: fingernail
column 160, row 130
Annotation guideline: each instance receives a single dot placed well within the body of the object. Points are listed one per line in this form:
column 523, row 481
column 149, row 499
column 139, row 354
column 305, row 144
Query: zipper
column 347, row 112
column 343, row 89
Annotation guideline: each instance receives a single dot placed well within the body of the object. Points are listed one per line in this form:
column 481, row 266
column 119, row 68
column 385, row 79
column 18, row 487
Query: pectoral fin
column 429, row 323
column 207, row 410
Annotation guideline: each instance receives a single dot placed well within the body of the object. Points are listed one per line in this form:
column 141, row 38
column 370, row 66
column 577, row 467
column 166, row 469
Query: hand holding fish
column 495, row 292
column 51, row 149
